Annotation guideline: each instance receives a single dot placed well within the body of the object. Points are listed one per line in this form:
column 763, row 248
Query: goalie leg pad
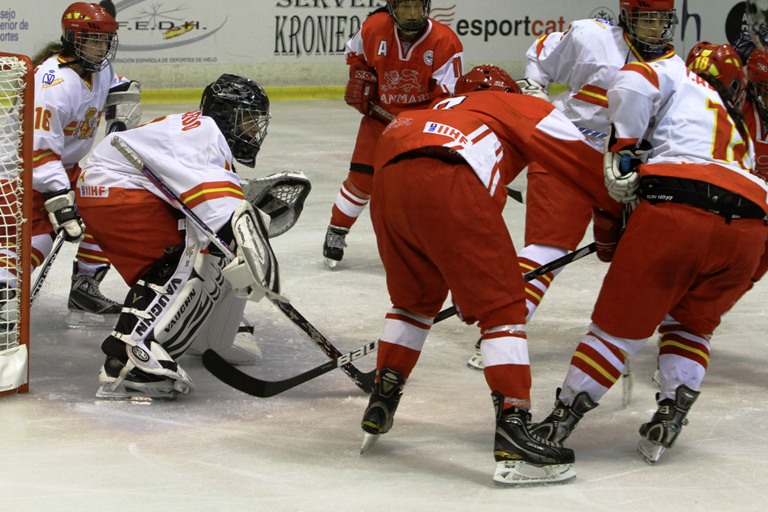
column 254, row 272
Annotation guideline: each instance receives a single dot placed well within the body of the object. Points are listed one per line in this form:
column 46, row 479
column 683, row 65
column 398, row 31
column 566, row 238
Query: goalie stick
column 385, row 116
column 45, row 267
column 362, row 380
column 241, row 381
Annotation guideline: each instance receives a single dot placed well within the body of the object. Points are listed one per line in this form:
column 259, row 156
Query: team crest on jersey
column 49, row 79
column 86, row 129
column 403, row 87
column 429, row 57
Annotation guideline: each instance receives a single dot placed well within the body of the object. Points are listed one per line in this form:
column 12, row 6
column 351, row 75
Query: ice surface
column 220, row 450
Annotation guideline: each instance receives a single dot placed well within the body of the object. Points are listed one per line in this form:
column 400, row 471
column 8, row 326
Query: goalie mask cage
column 16, row 111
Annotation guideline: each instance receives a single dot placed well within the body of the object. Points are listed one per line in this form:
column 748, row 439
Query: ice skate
column 333, row 247
column 475, row 361
column 86, row 303
column 668, row 421
column 523, row 459
column 563, row 419
column 126, row 382
column 380, row 413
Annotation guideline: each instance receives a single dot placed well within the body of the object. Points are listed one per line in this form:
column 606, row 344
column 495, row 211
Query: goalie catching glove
column 532, row 88
column 123, row 108
column 254, row 272
column 63, row 214
column 281, row 196
column 362, row 88
column 620, row 170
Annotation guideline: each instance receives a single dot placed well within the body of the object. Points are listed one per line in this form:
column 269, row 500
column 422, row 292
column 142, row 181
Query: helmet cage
column 410, row 26
column 89, row 33
column 240, row 108
column 486, row 78
column 757, row 71
column 639, row 24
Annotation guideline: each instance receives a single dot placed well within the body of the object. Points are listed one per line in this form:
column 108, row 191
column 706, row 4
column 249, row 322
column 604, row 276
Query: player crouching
column 179, row 169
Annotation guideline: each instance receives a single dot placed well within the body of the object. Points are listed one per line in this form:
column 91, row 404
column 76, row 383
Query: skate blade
column 476, row 362
column 105, row 392
column 77, row 319
column 368, row 441
column 519, row 474
column 650, row 451
column 331, row 264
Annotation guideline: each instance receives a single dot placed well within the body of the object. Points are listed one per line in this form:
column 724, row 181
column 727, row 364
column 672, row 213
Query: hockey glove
column 123, row 108
column 620, row 170
column 361, row 89
column 63, row 214
column 606, row 230
column 532, row 88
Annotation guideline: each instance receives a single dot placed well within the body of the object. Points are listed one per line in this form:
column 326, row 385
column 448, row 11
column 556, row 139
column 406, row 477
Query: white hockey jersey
column 585, row 58
column 68, row 109
column 186, row 151
column 686, row 123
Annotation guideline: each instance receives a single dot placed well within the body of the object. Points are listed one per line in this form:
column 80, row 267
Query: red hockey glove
column 607, row 231
column 361, row 88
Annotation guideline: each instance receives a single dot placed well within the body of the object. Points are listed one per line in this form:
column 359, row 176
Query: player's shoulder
column 591, row 28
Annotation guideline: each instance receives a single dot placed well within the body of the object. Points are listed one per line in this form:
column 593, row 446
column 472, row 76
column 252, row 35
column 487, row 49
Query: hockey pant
column 429, row 244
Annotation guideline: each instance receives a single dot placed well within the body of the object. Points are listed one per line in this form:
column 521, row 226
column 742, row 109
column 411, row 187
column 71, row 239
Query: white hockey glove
column 620, row 171
column 532, row 88
column 281, row 196
column 63, row 214
column 254, row 273
column 123, row 108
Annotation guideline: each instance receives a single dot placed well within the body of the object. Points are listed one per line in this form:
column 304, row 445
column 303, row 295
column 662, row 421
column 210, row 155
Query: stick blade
column 231, row 376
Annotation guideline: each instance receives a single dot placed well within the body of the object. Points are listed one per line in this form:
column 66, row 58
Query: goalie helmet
column 757, row 71
column 410, row 15
column 649, row 23
column 240, row 108
column 722, row 68
column 486, row 78
column 89, row 33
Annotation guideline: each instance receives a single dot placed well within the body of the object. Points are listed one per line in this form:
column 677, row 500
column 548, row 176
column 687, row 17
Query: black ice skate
column 563, row 419
column 86, row 303
column 380, row 413
column 522, row 458
column 660, row 433
column 333, row 247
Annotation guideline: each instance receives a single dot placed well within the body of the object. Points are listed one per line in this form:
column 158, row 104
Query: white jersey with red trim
column 585, row 58
column 67, row 113
column 410, row 75
column 186, row 151
column 686, row 122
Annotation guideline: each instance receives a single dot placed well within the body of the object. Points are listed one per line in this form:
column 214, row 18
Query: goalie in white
column 179, row 295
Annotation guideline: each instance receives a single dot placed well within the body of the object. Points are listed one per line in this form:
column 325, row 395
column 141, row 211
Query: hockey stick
column 241, row 381
column 378, row 112
column 45, row 267
column 362, row 380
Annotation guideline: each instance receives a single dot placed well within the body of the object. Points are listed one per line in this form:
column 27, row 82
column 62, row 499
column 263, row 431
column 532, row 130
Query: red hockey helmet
column 649, row 23
column 757, row 72
column 486, row 78
column 90, row 33
column 721, row 66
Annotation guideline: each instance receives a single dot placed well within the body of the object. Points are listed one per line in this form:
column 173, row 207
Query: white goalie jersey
column 186, row 151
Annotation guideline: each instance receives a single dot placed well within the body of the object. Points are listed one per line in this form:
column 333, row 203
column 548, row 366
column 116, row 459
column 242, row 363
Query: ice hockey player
column 692, row 243
column 74, row 85
column 402, row 59
column 585, row 58
column 438, row 195
column 182, row 287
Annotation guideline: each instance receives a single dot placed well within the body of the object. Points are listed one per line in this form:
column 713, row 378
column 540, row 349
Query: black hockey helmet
column 410, row 25
column 240, row 108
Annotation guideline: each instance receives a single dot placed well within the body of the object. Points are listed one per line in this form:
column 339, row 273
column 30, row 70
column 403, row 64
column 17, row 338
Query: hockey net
column 16, row 118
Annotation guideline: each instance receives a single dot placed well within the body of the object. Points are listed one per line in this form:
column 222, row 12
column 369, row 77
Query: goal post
column 16, row 125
